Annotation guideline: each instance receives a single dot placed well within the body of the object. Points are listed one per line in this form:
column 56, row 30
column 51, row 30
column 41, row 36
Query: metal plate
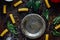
column 33, row 26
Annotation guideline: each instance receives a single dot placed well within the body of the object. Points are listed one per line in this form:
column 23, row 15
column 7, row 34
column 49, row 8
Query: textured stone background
column 19, row 16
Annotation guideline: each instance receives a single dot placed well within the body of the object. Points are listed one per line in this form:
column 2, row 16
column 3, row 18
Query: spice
column 46, row 14
column 35, row 4
column 56, row 20
column 55, row 32
column 55, row 1
column 11, row 28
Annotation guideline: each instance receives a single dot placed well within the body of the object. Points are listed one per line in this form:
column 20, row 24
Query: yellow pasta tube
column 4, row 9
column 17, row 3
column 47, row 37
column 22, row 9
column 57, row 27
column 4, row 32
column 47, row 4
column 12, row 18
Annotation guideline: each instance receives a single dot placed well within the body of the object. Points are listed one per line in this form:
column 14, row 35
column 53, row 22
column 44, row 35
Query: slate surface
column 19, row 16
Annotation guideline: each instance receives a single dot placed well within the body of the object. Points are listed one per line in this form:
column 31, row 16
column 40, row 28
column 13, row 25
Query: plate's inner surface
column 33, row 24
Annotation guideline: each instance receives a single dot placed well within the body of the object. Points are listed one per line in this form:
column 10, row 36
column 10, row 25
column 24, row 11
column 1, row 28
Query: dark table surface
column 19, row 16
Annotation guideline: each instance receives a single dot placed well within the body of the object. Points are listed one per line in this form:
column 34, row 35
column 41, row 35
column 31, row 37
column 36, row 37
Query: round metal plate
column 33, row 26
column 8, row 0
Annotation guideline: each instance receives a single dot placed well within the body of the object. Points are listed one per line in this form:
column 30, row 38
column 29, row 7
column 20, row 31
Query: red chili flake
column 55, row 1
